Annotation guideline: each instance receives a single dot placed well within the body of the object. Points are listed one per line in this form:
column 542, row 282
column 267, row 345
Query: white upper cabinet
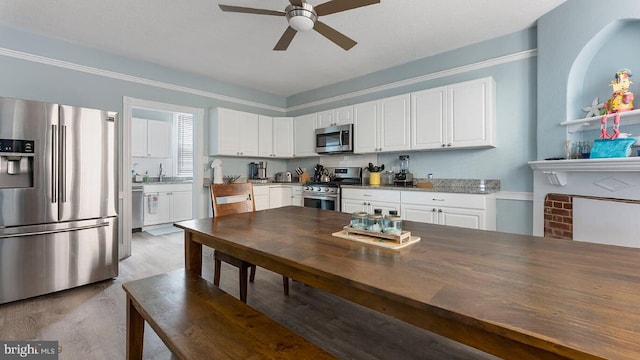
column 382, row 125
column 150, row 138
column 265, row 132
column 233, row 133
column 304, row 135
column 283, row 136
column 365, row 127
column 454, row 116
column 276, row 136
column 335, row 117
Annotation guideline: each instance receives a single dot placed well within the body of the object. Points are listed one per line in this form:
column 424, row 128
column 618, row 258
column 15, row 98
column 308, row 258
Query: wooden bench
column 197, row 320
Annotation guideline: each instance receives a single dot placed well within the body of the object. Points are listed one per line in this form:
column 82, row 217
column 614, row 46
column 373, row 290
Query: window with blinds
column 184, row 160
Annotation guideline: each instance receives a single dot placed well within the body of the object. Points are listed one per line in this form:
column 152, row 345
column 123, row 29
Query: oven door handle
column 315, row 197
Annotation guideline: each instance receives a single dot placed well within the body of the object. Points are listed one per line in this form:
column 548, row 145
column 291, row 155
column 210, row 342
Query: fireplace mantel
column 556, row 170
column 612, row 164
column 617, row 178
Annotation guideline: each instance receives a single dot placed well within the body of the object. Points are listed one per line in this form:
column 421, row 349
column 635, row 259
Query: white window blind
column 185, row 144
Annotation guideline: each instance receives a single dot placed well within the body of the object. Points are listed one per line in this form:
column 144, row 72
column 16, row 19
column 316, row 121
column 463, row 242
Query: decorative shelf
column 626, row 118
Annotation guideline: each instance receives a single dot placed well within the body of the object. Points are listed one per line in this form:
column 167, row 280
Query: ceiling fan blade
column 285, row 39
column 334, row 35
column 334, row 6
column 296, row 2
column 247, row 10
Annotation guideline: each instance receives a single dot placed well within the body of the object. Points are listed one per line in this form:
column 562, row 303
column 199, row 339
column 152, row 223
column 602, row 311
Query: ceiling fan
column 302, row 16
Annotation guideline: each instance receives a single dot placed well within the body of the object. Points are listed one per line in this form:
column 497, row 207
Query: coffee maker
column 404, row 177
column 258, row 170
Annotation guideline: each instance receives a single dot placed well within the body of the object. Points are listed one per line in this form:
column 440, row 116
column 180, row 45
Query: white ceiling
column 197, row 37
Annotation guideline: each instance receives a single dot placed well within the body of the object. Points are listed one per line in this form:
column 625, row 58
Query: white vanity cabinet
column 275, row 136
column 461, row 115
column 150, row 138
column 355, row 200
column 382, row 125
column 233, row 133
column 476, row 211
column 167, row 203
column 304, row 135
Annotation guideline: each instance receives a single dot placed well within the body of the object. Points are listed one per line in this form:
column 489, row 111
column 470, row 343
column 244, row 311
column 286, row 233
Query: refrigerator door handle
column 54, row 163
column 63, row 167
column 55, row 231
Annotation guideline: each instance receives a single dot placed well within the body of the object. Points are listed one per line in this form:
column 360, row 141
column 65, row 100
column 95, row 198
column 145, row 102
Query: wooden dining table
column 514, row 296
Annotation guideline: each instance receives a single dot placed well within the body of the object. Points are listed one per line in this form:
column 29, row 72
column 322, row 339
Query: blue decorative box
column 611, row 148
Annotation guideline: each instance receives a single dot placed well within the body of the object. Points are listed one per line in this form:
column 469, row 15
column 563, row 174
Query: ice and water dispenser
column 16, row 163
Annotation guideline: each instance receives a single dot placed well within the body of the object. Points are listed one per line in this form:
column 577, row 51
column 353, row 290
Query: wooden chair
column 241, row 200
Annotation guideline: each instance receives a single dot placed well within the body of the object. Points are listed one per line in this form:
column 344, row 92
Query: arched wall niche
column 610, row 50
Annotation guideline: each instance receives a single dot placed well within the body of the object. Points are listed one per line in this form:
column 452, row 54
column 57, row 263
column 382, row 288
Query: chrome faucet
column 160, row 174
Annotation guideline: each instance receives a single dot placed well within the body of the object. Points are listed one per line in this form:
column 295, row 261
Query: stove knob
column 331, row 190
column 306, row 188
column 317, row 188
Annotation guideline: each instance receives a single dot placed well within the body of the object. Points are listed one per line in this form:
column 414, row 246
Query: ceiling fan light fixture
column 301, row 18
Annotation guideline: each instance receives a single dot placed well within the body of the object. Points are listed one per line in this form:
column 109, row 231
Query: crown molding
column 160, row 84
column 129, row 78
column 435, row 75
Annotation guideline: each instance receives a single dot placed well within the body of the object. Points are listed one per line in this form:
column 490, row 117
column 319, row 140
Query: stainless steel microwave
column 334, row 139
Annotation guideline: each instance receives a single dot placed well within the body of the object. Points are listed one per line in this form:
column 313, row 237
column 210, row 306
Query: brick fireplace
column 558, row 216
column 588, row 200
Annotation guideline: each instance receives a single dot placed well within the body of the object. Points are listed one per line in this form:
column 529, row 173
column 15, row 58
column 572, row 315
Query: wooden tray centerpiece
column 389, row 241
column 402, row 238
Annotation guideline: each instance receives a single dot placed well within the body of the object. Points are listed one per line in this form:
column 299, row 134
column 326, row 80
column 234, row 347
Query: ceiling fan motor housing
column 301, row 18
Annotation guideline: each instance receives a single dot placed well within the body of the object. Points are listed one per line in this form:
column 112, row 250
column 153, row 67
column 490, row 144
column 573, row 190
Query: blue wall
column 534, row 94
column 576, row 63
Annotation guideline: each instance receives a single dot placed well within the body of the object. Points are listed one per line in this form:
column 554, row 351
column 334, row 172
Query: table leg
column 135, row 332
column 192, row 254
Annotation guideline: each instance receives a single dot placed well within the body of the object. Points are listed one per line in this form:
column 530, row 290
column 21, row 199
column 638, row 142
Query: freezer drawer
column 56, row 257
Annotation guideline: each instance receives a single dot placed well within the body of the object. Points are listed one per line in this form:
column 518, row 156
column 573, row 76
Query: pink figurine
column 621, row 100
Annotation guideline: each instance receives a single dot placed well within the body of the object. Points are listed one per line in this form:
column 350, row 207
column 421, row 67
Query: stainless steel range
column 326, row 195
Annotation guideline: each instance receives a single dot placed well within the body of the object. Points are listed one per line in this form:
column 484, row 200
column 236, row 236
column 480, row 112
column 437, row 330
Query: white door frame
column 125, row 192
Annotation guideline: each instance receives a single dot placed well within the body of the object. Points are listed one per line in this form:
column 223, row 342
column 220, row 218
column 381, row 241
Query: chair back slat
column 242, row 193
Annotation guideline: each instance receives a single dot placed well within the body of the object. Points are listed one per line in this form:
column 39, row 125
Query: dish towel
column 153, row 204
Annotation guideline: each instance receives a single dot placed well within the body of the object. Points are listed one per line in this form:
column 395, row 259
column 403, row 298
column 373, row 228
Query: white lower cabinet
column 274, row 196
column 261, row 197
column 279, row 196
column 296, row 195
column 475, row 211
column 354, row 200
column 167, row 203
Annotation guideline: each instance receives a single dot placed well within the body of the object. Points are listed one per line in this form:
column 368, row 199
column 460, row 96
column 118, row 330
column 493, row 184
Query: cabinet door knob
column 439, row 210
column 449, row 144
column 443, row 145
column 433, row 210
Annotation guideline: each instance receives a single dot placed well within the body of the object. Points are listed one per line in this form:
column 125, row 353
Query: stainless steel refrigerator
column 58, row 198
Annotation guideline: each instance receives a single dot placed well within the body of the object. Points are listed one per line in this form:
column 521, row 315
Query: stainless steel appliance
column 58, row 198
column 326, row 195
column 258, row 170
column 283, row 177
column 404, row 177
column 137, row 207
column 335, row 139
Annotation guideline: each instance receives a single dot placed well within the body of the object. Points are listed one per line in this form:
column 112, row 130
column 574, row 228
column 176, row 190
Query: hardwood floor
column 89, row 321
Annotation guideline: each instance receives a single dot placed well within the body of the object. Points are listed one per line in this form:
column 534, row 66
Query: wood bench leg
column 135, row 332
